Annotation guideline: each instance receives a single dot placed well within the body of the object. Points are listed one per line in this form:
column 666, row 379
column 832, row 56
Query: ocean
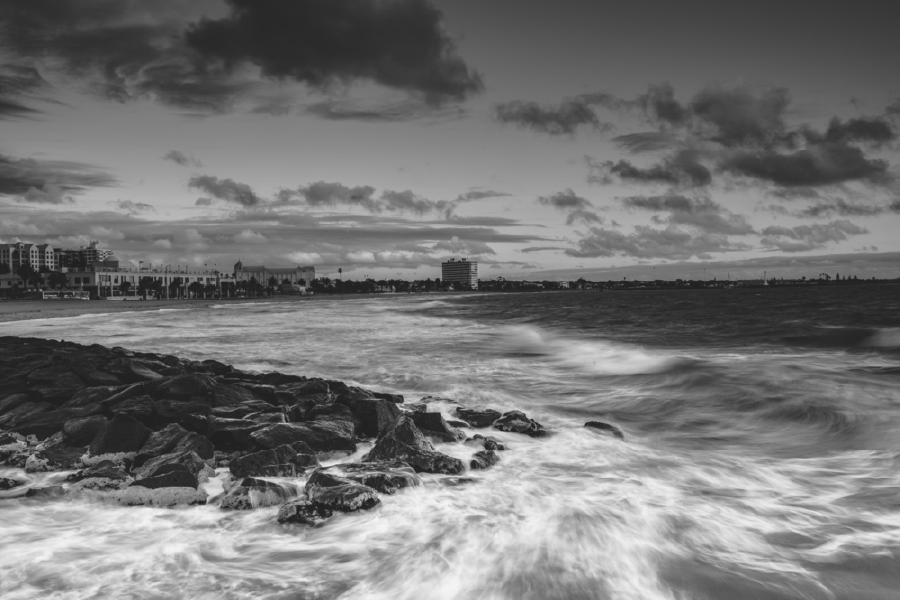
column 761, row 457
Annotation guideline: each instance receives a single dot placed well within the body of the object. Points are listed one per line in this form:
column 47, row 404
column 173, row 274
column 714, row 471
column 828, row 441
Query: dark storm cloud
column 681, row 168
column 822, row 164
column 17, row 81
column 742, row 116
column 562, row 119
column 163, row 49
column 48, row 181
column 225, row 189
column 647, row 242
column 399, row 44
column 565, row 200
column 646, row 141
column 185, row 159
column 702, row 213
column 865, row 129
column 660, row 106
column 809, row 237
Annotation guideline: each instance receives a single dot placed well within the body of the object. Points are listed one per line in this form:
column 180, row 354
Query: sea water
column 761, row 457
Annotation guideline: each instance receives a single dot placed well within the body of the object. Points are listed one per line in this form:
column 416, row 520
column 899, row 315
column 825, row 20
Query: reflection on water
column 760, row 461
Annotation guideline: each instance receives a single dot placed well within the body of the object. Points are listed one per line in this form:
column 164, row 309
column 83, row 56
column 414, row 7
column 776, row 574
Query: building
column 297, row 276
column 462, row 271
column 22, row 253
column 104, row 279
column 83, row 257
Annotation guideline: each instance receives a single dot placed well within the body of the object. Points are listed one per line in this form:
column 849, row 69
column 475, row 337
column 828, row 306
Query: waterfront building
column 105, row 281
column 295, row 276
column 23, row 253
column 461, row 271
column 82, row 257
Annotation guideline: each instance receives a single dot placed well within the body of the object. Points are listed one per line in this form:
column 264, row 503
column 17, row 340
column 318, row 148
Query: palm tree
column 25, row 273
column 36, row 279
column 57, row 279
column 196, row 288
column 124, row 287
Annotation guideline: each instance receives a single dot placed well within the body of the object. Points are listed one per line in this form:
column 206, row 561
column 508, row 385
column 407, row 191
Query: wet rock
column 337, row 418
column 486, row 442
column 26, row 409
column 140, row 408
column 7, row 484
column 57, row 458
column 192, row 387
column 394, row 398
column 304, row 512
column 55, row 375
column 283, row 461
column 478, row 417
column 99, row 378
column 46, row 423
column 131, row 370
column 80, row 432
column 177, row 462
column 214, row 367
column 239, row 411
column 173, row 411
column 226, row 434
column 404, row 441
column 174, row 439
column 12, row 402
column 433, row 425
column 602, row 427
column 53, row 491
column 386, row 477
column 414, row 407
column 376, row 415
column 267, row 418
column 252, row 493
column 339, row 493
column 141, row 495
column 92, row 395
column 123, row 434
column 281, row 379
column 517, row 422
column 316, row 436
column 456, row 481
column 454, row 423
column 103, row 477
column 484, row 459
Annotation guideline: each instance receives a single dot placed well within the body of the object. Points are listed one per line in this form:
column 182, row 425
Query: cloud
column 646, row 141
column 563, row 119
column 224, row 189
column 479, row 195
column 106, row 233
column 332, row 194
column 185, row 159
column 391, row 111
column 585, row 216
column 660, row 106
column 248, row 236
column 809, row 237
column 133, row 208
column 17, row 81
column 839, row 206
column 48, row 181
column 203, row 202
column 865, row 129
column 171, row 52
column 817, row 165
column 741, row 115
column 681, row 168
column 672, row 242
column 565, row 200
column 458, row 246
column 163, row 243
column 530, row 249
column 702, row 213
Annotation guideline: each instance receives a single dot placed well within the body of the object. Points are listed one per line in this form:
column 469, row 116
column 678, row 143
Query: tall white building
column 21, row 253
column 461, row 271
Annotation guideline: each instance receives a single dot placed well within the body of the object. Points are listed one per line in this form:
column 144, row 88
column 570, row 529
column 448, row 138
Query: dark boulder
column 173, row 411
column 336, row 418
column 231, row 395
column 313, row 390
column 404, row 441
column 192, row 387
column 122, row 434
column 140, row 408
column 54, row 393
column 414, row 407
column 395, row 398
column 268, row 418
column 304, row 512
column 486, row 442
column 12, row 402
column 239, row 411
column 214, row 367
column 132, row 370
column 225, row 434
column 478, row 417
column 44, row 424
column 283, row 461
column 105, row 476
column 56, row 458
column 11, row 418
column 56, row 375
column 168, row 476
column 53, row 491
column 99, row 378
column 281, row 379
column 92, row 395
column 376, row 416
column 81, row 431
column 7, row 484
column 252, row 493
column 433, row 425
column 386, row 477
column 316, row 436
column 187, row 461
column 174, row 438
column 268, row 393
column 601, row 427
column 339, row 493
column 517, row 422
column 484, row 459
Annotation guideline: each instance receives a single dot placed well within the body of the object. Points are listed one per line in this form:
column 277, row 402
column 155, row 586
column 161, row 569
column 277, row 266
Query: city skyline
column 584, row 141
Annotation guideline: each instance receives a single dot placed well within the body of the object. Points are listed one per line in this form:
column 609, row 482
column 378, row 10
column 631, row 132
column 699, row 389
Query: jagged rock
column 162, row 441
column 375, row 415
column 215, row 367
column 281, row 379
column 239, row 411
column 57, row 458
column 53, row 491
column 239, row 376
column 192, row 387
column 283, row 461
column 92, row 395
column 226, row 434
column 484, row 459
column 7, row 484
column 386, row 477
column 186, row 461
column 602, row 427
column 139, row 407
column 478, row 417
column 231, row 395
column 312, row 390
column 339, row 493
column 304, row 512
column 173, row 411
column 395, row 398
column 103, row 477
column 121, row 435
column 264, row 392
column 57, row 375
column 486, row 442
column 99, row 378
column 253, row 493
column 269, row 418
column 335, row 417
column 11, row 418
column 314, row 435
column 80, row 432
column 414, row 407
column 131, row 370
column 433, row 425
column 12, row 402
column 46, row 423
column 517, row 422
column 404, row 441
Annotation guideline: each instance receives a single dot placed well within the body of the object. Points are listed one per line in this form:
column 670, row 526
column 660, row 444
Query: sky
column 545, row 140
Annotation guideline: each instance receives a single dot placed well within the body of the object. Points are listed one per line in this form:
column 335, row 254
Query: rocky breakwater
column 150, row 429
